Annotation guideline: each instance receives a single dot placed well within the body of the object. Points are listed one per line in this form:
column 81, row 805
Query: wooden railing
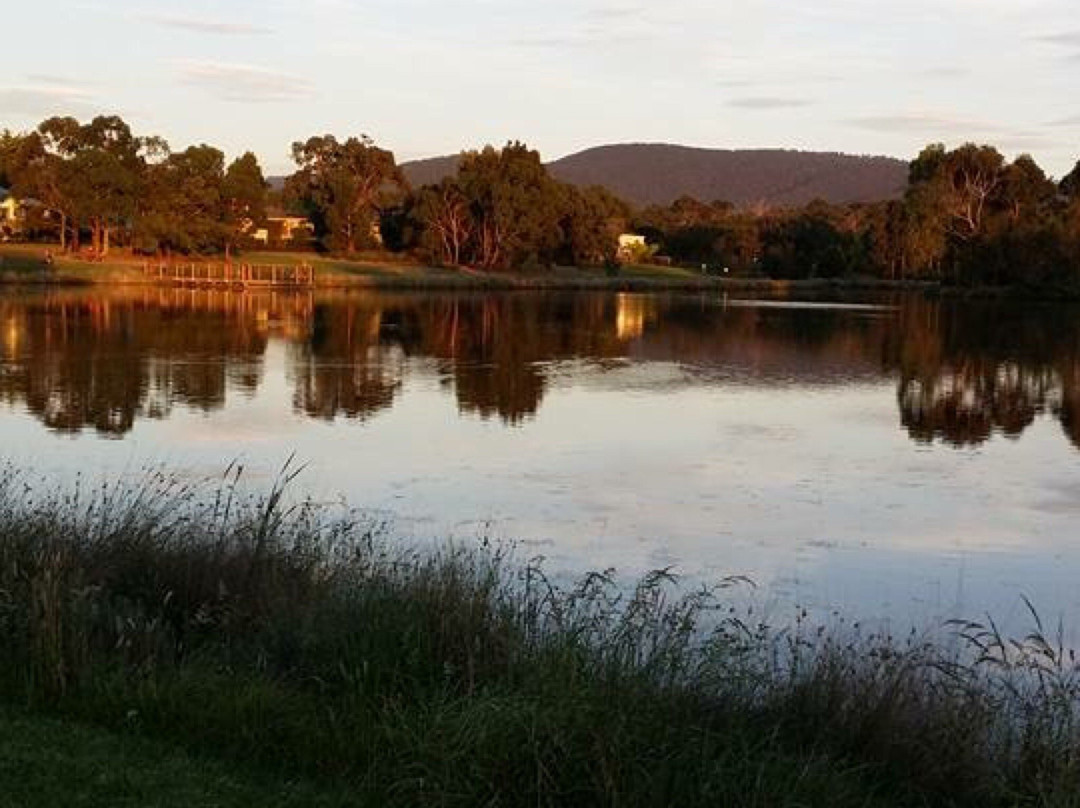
column 192, row 274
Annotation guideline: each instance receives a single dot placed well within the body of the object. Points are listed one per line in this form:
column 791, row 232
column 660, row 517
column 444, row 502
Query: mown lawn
column 26, row 262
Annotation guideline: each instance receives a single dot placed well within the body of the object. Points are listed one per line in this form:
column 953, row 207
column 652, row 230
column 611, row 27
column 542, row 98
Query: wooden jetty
column 232, row 275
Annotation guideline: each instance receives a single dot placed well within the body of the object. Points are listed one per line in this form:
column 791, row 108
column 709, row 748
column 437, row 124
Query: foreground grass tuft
column 303, row 642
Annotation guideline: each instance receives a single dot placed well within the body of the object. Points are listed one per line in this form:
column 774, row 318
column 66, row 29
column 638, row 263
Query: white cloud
column 206, row 26
column 919, row 122
column 768, row 102
column 245, row 83
column 45, row 100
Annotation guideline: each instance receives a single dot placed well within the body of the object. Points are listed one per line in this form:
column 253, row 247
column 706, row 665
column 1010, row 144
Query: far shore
column 24, row 264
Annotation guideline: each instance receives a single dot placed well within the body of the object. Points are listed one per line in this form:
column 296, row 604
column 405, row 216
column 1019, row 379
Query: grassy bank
column 25, row 264
column 299, row 643
column 45, row 763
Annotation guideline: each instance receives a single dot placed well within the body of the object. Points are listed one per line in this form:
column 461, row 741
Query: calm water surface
column 908, row 459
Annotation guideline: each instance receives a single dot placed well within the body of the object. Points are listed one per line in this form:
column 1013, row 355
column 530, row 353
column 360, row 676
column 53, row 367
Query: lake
column 899, row 458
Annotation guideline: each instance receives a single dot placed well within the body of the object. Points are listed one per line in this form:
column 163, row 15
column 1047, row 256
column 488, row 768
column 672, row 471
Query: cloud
column 599, row 26
column 944, row 73
column 1072, row 120
column 945, row 127
column 1022, row 142
column 923, row 123
column 43, row 101
column 245, row 83
column 767, row 102
column 585, row 36
column 1070, row 40
column 736, row 84
column 617, row 12
column 206, row 26
column 60, row 82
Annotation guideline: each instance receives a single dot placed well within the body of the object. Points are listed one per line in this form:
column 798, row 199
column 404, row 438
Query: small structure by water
column 229, row 274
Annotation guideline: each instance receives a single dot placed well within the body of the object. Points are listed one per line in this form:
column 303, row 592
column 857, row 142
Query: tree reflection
column 343, row 368
column 102, row 362
column 964, row 371
column 968, row 371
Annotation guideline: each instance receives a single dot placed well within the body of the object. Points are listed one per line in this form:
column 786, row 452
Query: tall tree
column 31, row 171
column 974, row 174
column 184, row 209
column 1025, row 192
column 592, row 220
column 340, row 184
column 244, row 197
column 101, row 167
column 444, row 215
column 515, row 205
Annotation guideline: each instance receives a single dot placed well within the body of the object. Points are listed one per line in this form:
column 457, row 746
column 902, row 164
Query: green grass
column 25, row 263
column 47, row 762
column 302, row 644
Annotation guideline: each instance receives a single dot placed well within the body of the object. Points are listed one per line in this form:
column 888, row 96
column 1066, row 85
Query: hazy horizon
column 427, row 79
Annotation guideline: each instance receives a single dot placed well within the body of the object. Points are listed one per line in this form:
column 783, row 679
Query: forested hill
column 659, row 174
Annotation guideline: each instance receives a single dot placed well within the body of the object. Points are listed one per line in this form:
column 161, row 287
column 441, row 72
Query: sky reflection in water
column 914, row 459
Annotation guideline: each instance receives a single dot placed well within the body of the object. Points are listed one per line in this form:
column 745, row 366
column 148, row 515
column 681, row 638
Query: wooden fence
column 238, row 275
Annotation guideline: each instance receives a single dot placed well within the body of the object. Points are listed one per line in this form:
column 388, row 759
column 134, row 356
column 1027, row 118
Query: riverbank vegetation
column 968, row 216
column 304, row 645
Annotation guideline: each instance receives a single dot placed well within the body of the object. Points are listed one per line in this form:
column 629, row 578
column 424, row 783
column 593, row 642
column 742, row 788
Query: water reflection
column 970, row 371
column 102, row 361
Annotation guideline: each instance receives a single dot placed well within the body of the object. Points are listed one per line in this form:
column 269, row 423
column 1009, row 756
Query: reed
column 303, row 640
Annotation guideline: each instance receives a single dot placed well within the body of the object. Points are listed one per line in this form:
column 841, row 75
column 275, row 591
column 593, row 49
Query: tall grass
column 303, row 639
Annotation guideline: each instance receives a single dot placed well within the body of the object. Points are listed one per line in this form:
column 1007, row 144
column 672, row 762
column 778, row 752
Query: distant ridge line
column 660, row 173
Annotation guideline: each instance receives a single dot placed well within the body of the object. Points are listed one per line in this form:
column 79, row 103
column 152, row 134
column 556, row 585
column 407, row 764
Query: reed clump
column 301, row 639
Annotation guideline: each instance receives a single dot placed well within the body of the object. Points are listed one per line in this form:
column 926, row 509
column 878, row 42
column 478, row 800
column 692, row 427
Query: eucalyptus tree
column 99, row 170
column 339, row 184
column 515, row 205
column 445, row 219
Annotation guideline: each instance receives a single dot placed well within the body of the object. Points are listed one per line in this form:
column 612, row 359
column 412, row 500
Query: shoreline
column 765, row 287
column 20, row 265
column 311, row 644
column 560, row 281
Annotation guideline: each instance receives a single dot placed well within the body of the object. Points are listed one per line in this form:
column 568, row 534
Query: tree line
column 968, row 216
column 100, row 185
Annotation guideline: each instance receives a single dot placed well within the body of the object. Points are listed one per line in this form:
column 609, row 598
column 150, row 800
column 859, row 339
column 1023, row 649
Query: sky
column 433, row 77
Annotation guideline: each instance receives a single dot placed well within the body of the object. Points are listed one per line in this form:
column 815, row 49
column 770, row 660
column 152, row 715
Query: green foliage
column 185, row 210
column 967, row 217
column 46, row 763
column 340, row 185
column 100, row 176
column 502, row 209
column 593, row 220
column 243, row 193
